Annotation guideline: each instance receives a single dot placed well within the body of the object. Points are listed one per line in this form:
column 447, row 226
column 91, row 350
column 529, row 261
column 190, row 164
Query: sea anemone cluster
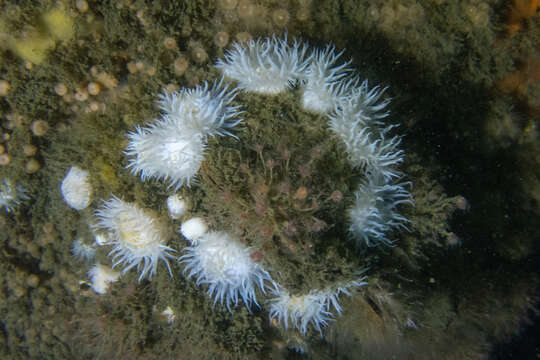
column 172, row 148
column 355, row 114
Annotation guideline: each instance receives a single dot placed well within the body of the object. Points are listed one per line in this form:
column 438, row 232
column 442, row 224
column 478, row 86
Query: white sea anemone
column 357, row 120
column 193, row 229
column 137, row 238
column 172, row 148
column 82, row 251
column 204, row 109
column 226, row 266
column 326, row 82
column 368, row 145
column 301, row 310
column 11, row 195
column 313, row 308
column 101, row 239
column 163, row 150
column 101, row 276
column 374, row 213
column 176, row 205
column 365, row 105
column 75, row 188
column 265, row 66
column 168, row 315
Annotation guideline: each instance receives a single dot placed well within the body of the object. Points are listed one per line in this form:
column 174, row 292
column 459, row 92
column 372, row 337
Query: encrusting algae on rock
column 307, row 184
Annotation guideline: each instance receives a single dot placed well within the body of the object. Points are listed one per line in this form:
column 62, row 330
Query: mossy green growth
column 432, row 212
column 283, row 188
column 62, row 319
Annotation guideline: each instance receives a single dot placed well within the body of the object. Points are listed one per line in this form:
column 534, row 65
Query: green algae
column 273, row 189
column 433, row 51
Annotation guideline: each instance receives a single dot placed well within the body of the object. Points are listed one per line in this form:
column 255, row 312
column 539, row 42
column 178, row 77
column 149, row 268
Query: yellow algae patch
column 106, row 173
column 59, row 24
column 32, row 48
